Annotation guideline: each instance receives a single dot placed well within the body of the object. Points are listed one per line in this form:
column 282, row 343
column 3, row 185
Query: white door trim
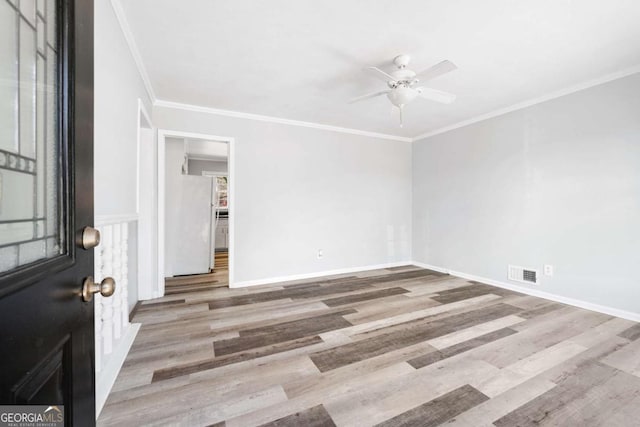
column 146, row 279
column 162, row 135
column 141, row 110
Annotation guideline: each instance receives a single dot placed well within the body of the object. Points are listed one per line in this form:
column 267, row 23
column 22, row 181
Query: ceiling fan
column 402, row 83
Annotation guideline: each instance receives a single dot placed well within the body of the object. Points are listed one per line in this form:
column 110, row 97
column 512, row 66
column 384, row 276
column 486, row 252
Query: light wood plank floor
column 397, row 347
column 221, row 259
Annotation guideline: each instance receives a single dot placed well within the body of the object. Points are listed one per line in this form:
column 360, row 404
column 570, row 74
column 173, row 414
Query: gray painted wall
column 117, row 88
column 197, row 166
column 299, row 189
column 556, row 183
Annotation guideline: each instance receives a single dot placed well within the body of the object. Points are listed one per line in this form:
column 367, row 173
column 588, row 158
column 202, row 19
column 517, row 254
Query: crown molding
column 519, row 106
column 128, row 35
column 270, row 119
column 133, row 48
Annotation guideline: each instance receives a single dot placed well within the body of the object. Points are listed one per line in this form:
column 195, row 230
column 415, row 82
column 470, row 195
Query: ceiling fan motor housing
column 403, row 75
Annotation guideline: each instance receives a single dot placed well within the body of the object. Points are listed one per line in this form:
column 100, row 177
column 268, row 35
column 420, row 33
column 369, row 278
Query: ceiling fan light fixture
column 401, row 96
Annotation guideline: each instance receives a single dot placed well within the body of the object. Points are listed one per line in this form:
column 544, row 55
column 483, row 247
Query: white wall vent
column 521, row 274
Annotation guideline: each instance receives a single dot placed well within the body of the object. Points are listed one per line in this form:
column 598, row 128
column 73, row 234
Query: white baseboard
column 629, row 315
column 430, row 267
column 153, row 295
column 107, row 376
column 272, row 280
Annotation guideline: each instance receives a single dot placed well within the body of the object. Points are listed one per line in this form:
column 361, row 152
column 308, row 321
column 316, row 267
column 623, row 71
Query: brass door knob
column 106, row 288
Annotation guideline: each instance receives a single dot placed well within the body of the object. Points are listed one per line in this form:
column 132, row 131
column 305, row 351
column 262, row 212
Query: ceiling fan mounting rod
column 401, row 61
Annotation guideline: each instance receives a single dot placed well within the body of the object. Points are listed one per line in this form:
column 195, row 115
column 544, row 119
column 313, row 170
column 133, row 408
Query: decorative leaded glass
column 30, row 198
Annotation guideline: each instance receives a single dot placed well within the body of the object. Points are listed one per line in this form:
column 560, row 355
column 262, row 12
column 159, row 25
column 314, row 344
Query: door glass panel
column 30, row 156
column 28, row 10
column 8, row 78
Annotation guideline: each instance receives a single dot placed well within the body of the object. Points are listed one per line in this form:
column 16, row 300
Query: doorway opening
column 217, row 171
column 195, row 211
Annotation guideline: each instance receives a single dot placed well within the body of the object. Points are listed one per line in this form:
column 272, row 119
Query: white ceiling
column 303, row 59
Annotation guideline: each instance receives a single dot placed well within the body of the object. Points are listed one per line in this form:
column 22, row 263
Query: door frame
column 163, row 134
column 146, row 279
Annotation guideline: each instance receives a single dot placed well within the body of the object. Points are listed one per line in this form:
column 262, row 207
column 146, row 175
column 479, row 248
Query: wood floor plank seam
column 281, row 333
column 215, row 362
column 438, row 410
column 312, row 417
column 436, row 356
column 365, row 296
column 415, row 332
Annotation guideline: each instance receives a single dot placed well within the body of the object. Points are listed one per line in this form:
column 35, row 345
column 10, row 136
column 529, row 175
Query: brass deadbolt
column 90, row 238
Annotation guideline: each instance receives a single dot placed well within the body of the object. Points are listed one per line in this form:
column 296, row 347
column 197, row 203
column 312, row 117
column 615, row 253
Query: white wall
column 299, row 190
column 556, row 183
column 117, row 87
column 196, row 166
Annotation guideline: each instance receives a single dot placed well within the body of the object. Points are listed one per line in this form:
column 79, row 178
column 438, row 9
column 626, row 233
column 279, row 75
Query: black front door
column 46, row 199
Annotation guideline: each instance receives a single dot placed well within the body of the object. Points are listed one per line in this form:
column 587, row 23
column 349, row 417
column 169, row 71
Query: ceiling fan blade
column 369, row 95
column 436, row 71
column 377, row 72
column 436, row 95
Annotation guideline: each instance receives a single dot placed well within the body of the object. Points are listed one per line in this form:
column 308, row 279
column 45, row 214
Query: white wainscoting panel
column 114, row 334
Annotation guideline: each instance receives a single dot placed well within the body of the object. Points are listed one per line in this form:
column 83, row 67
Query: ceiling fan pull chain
column 401, row 107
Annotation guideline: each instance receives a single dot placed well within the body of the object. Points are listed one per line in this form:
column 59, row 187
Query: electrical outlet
column 320, row 254
column 548, row 270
